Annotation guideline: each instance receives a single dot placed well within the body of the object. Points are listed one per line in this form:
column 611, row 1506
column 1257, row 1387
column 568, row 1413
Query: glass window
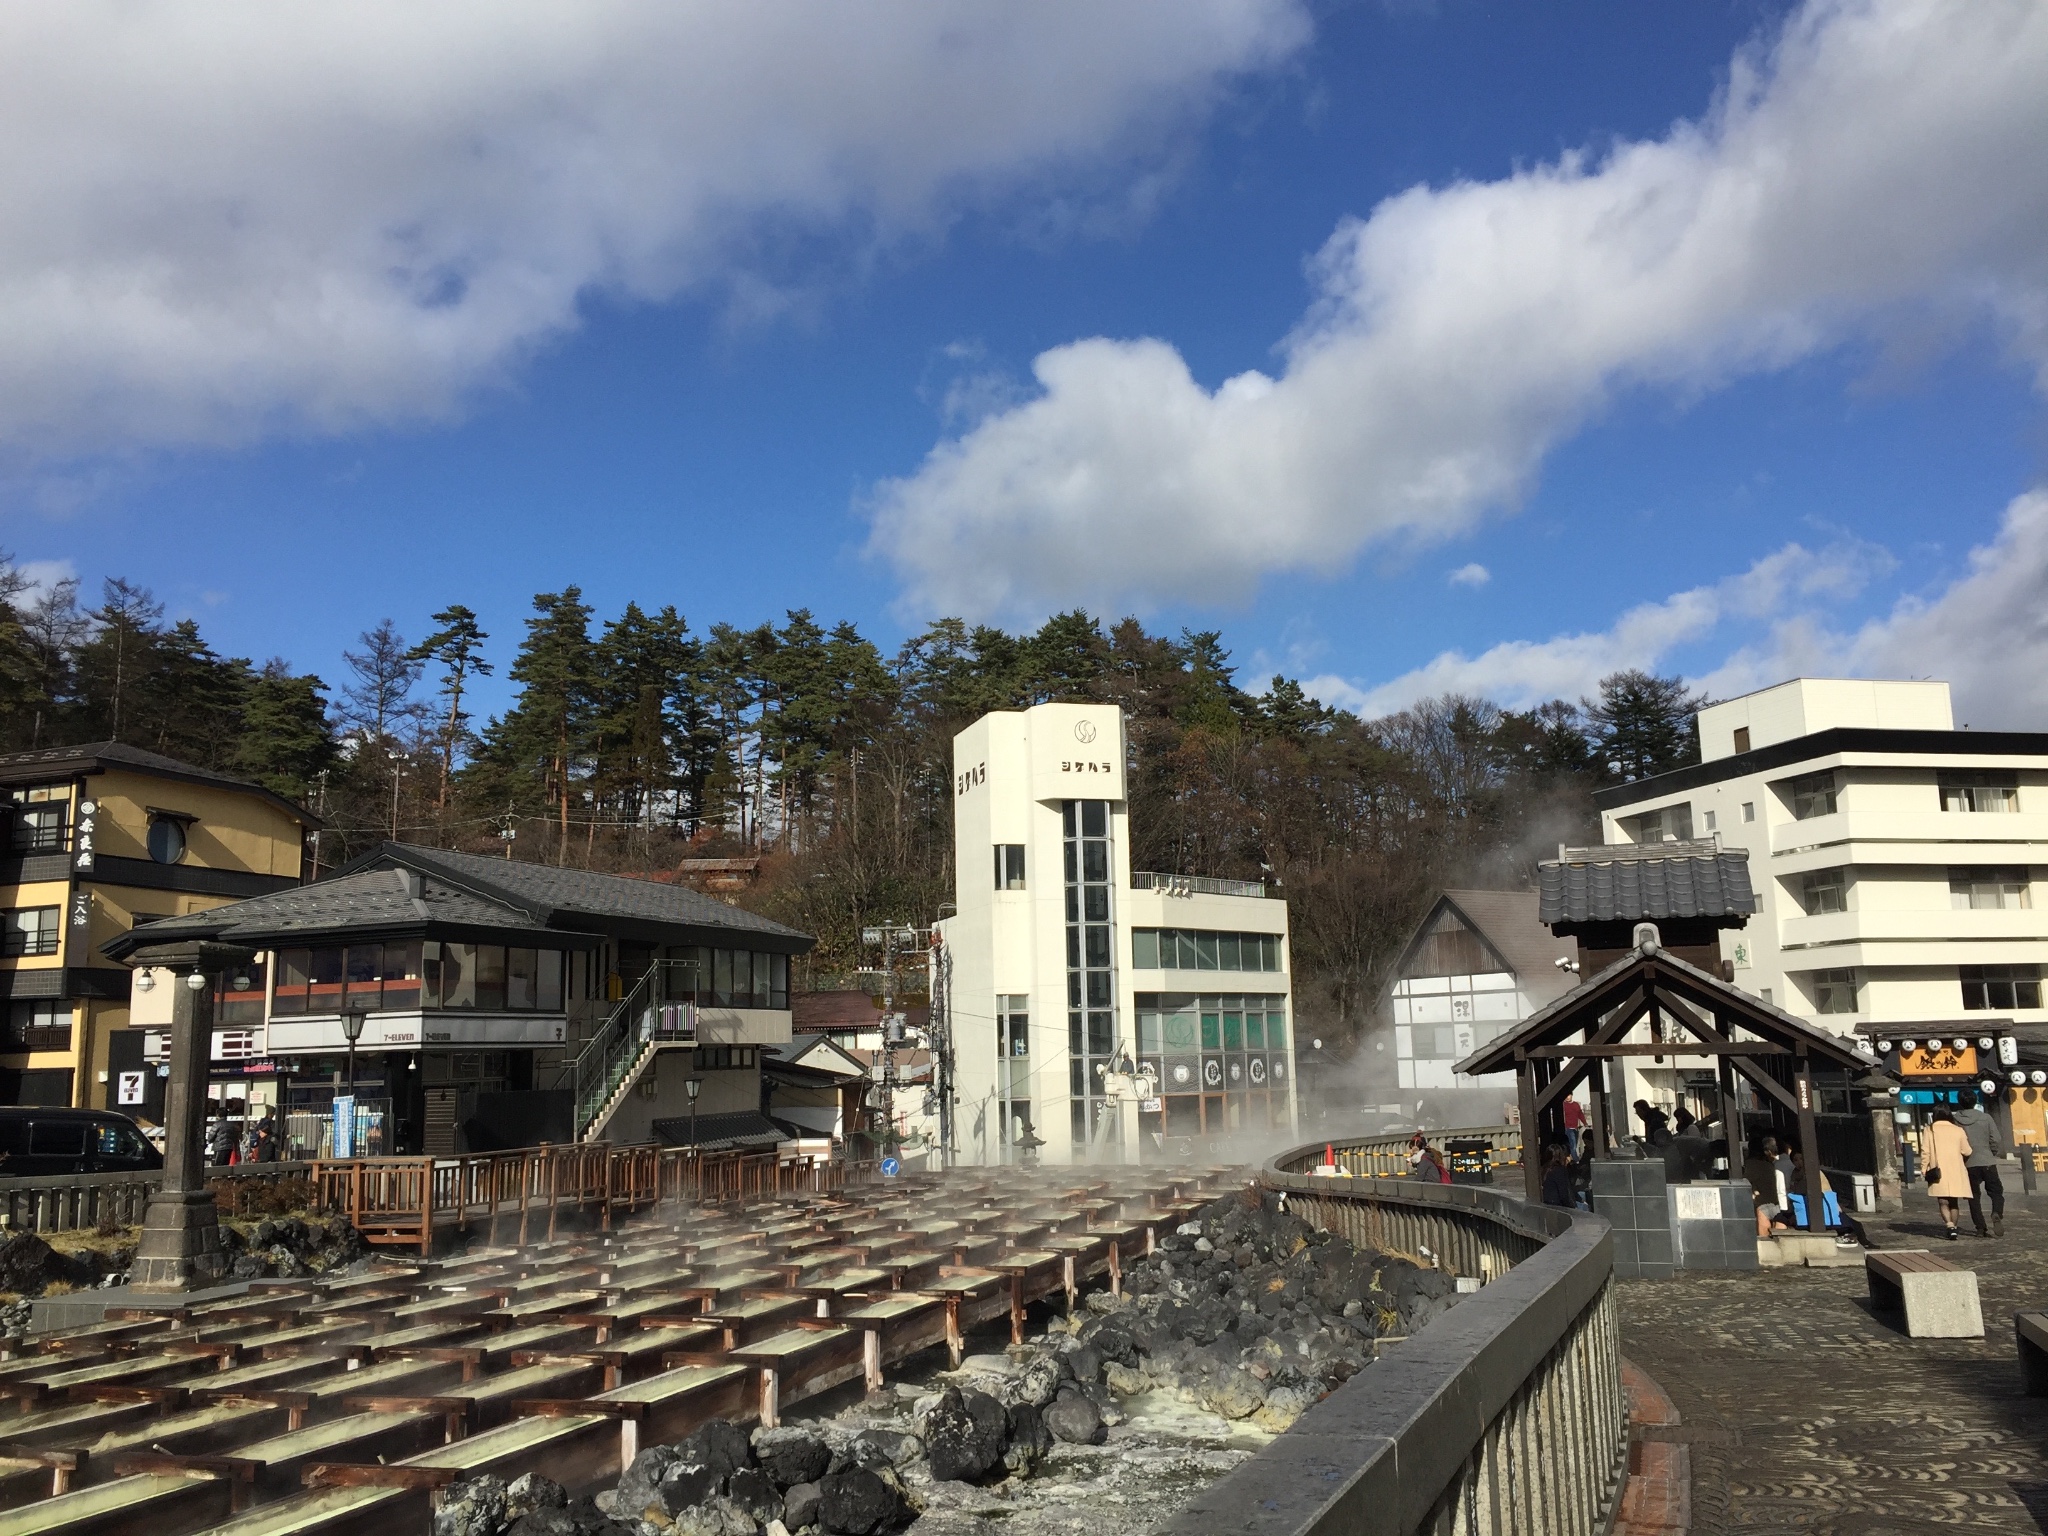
column 166, row 839
column 30, row 931
column 1276, row 1031
column 242, row 1004
column 57, row 1138
column 519, row 979
column 1991, row 890
column 1255, row 1031
column 43, row 1025
column 1212, row 1031
column 1814, row 795
column 721, row 977
column 1099, row 1034
column 1094, row 861
column 1145, row 949
column 1985, row 790
column 400, row 969
column 1009, row 866
column 1834, row 991
column 490, row 976
column 1095, row 903
column 39, row 820
column 294, row 972
column 458, row 975
column 2000, row 986
column 778, row 981
column 1205, row 951
column 1095, row 818
column 1749, row 810
column 1824, row 890
column 1233, row 1031
column 1229, row 952
column 547, row 981
column 1098, row 946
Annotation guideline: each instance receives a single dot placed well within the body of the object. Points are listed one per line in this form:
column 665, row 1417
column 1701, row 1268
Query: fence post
column 427, row 1209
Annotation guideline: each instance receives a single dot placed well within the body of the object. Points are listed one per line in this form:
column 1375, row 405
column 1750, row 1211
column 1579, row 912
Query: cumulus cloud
column 224, row 217
column 1519, row 673
column 1472, row 575
column 1985, row 631
column 1875, row 163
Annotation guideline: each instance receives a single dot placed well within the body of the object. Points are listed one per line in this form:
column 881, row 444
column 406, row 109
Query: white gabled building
column 1895, row 858
column 1480, row 962
column 1063, row 967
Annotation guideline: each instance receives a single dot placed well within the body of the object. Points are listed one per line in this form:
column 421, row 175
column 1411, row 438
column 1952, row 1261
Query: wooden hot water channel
column 311, row 1406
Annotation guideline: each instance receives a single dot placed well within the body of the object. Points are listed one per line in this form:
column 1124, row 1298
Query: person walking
column 1574, row 1125
column 1987, row 1149
column 1947, row 1147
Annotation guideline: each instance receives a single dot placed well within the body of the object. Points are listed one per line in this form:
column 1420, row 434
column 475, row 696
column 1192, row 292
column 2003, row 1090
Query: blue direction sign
column 890, row 1167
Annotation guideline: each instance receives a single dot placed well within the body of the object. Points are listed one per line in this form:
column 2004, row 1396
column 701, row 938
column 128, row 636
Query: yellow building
column 99, row 838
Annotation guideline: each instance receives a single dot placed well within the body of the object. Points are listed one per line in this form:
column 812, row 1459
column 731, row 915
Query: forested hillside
column 636, row 741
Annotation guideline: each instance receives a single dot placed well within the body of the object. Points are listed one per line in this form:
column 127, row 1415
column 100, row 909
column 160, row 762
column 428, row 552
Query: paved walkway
column 1803, row 1411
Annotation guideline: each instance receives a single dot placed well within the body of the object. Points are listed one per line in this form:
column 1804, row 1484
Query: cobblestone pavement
column 1806, row 1412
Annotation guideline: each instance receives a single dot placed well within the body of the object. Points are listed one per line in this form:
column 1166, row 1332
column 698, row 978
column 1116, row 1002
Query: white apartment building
column 1895, row 858
column 1066, row 974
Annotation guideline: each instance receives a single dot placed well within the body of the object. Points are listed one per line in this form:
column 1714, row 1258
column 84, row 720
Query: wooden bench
column 1938, row 1298
column 2030, row 1329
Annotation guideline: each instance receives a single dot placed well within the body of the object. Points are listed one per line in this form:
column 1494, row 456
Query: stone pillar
column 180, row 1247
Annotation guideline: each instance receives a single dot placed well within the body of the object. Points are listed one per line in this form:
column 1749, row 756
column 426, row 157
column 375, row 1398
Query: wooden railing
column 513, row 1196
column 1386, row 1157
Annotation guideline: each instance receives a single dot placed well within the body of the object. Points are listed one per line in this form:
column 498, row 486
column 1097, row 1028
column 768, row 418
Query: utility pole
column 895, row 939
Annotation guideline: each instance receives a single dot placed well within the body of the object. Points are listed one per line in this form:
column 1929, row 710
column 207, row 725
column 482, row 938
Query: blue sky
column 724, row 399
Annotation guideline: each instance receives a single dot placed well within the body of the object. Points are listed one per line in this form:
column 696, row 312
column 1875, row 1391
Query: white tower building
column 1068, row 977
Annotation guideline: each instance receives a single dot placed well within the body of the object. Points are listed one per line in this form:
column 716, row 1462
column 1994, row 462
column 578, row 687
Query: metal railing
column 1507, row 1415
column 1386, row 1157
column 648, row 1015
column 1194, row 885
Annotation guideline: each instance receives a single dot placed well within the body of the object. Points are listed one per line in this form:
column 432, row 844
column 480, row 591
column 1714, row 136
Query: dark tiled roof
column 548, row 893
column 744, row 1130
column 1562, row 1021
column 1631, row 883
column 376, row 900
column 97, row 756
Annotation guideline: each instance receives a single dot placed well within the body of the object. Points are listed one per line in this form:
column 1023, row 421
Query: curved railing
column 1505, row 1415
column 1387, row 1156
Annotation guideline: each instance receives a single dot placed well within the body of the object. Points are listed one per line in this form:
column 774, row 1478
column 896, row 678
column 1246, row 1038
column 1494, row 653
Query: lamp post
column 180, row 1245
column 352, row 1031
column 693, row 1086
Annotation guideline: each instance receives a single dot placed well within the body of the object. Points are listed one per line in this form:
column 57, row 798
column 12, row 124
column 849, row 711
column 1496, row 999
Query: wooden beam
column 1532, row 1130
column 1809, row 1146
column 1660, row 1048
column 1765, row 1081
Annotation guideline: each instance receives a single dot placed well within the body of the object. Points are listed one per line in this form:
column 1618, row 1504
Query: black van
column 35, row 1142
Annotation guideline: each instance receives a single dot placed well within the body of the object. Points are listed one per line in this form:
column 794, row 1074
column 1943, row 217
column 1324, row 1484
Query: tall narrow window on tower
column 1091, row 975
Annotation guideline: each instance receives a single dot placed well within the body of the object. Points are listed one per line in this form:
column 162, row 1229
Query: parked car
column 35, row 1142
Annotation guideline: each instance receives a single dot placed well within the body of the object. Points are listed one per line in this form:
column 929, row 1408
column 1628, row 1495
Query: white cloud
column 1985, row 631
column 1520, row 673
column 1879, row 163
column 1473, row 575
column 223, row 217
column 44, row 575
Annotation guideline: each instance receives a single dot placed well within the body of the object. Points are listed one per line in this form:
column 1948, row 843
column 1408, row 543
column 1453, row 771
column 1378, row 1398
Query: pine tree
column 457, row 648
column 286, row 740
column 1642, row 725
column 556, row 668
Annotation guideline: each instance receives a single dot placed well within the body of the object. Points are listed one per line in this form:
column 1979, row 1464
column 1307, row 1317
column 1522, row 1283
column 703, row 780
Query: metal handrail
column 1194, row 885
column 608, row 1056
column 1506, row 1415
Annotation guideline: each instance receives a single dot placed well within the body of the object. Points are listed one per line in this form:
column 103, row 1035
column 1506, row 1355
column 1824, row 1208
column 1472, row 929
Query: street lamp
column 352, row 1031
column 694, row 1086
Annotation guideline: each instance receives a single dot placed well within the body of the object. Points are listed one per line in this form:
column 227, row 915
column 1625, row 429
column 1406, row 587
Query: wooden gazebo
column 1651, row 1003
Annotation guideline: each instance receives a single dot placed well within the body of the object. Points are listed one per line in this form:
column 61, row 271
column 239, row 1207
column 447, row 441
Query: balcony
column 1942, row 925
column 1934, row 836
column 1194, row 885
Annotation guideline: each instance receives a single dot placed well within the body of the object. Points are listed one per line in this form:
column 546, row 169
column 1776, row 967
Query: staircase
column 645, row 1023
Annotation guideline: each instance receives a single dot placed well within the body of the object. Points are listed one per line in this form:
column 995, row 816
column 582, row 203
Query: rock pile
column 1251, row 1312
column 1245, row 1311
column 290, row 1246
